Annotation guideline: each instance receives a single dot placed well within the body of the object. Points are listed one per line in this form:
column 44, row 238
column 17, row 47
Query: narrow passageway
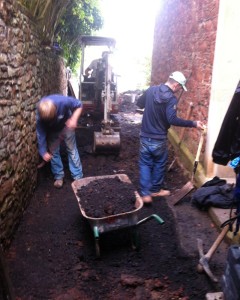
column 53, row 255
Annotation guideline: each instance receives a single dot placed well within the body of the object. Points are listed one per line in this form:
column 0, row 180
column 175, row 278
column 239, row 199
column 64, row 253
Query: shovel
column 188, row 187
column 53, row 147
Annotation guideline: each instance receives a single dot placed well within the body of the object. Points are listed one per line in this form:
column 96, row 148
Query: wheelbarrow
column 129, row 219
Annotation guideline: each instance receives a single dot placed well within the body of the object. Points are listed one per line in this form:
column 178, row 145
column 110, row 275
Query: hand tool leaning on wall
column 203, row 265
column 189, row 186
column 53, row 147
column 188, row 116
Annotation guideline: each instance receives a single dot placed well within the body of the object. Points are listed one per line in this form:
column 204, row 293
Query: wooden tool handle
column 200, row 146
column 217, row 242
column 198, row 152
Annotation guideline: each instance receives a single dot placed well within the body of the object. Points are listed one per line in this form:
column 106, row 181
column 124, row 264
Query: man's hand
column 71, row 123
column 200, row 125
column 47, row 156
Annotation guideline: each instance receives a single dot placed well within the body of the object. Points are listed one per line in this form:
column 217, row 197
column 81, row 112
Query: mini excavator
column 99, row 94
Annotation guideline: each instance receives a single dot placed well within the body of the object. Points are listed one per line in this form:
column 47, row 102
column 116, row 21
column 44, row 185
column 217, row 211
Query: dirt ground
column 53, row 254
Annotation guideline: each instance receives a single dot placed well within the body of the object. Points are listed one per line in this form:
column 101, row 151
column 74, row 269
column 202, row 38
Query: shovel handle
column 198, row 152
column 200, row 146
column 41, row 164
column 194, row 168
column 217, row 242
column 53, row 147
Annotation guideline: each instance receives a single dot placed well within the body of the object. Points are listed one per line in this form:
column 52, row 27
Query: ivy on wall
column 47, row 14
column 63, row 21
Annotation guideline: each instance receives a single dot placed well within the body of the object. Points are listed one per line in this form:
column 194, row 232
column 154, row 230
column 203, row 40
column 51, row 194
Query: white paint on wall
column 225, row 77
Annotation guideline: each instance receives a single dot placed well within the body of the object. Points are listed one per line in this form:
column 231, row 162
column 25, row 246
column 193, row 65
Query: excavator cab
column 98, row 93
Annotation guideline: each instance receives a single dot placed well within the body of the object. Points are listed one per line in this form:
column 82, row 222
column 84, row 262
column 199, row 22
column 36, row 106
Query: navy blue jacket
column 160, row 112
column 65, row 106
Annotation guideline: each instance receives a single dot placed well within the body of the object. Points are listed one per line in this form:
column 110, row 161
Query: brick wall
column 28, row 72
column 184, row 40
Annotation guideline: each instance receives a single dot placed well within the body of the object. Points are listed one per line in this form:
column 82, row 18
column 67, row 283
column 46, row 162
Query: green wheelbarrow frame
column 113, row 222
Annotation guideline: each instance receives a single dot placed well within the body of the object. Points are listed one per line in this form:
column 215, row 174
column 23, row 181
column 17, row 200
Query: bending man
column 57, row 118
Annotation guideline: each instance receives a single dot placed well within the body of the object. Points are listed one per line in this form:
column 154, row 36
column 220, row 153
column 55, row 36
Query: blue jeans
column 75, row 166
column 152, row 164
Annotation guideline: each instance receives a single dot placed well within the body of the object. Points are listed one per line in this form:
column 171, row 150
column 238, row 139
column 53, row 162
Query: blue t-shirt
column 65, row 106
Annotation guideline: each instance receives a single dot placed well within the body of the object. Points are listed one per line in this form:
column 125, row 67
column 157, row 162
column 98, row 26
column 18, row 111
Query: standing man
column 160, row 113
column 57, row 118
column 91, row 70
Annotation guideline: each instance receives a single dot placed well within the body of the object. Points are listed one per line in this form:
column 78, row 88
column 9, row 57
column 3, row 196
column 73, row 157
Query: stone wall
column 28, row 72
column 184, row 40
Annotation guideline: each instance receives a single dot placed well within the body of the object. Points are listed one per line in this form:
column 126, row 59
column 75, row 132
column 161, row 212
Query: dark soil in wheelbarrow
column 112, row 196
column 52, row 255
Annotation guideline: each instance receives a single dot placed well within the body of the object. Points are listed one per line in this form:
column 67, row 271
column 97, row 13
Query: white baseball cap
column 180, row 78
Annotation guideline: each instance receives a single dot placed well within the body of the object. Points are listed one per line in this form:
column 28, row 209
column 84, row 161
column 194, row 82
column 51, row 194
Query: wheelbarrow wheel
column 97, row 248
column 135, row 239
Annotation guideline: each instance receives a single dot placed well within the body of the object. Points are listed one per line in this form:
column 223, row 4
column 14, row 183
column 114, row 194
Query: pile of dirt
column 53, row 254
column 109, row 196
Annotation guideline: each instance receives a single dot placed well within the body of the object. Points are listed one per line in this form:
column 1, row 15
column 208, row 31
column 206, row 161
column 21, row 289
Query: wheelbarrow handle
column 160, row 220
column 96, row 232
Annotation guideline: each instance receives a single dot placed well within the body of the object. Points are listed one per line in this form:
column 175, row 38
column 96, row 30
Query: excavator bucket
column 106, row 143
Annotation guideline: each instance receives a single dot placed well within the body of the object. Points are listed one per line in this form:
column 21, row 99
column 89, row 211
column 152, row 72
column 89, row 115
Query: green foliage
column 81, row 18
column 47, row 14
column 64, row 21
